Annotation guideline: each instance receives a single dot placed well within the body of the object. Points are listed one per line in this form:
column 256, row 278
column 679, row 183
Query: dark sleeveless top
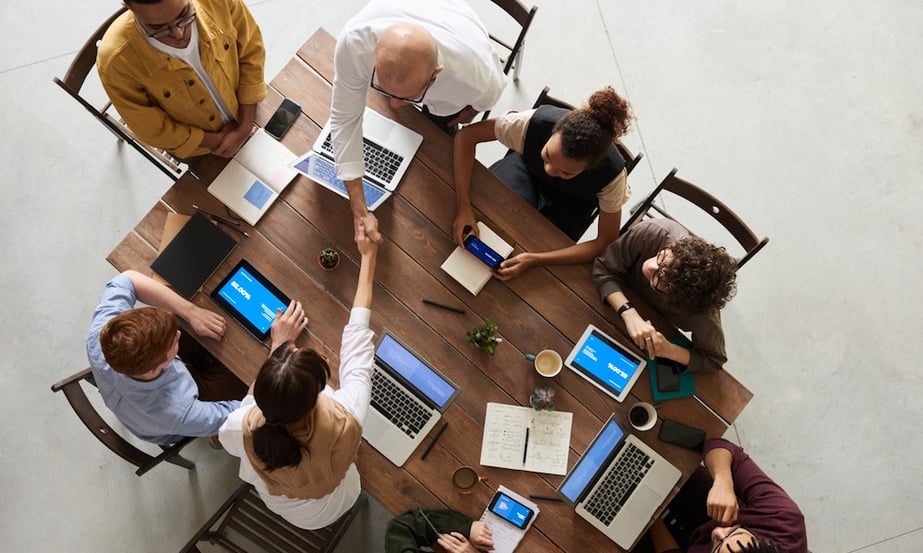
column 570, row 204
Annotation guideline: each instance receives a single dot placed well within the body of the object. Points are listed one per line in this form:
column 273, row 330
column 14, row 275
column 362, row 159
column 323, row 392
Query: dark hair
column 286, row 390
column 701, row 276
column 588, row 132
column 761, row 546
column 136, row 341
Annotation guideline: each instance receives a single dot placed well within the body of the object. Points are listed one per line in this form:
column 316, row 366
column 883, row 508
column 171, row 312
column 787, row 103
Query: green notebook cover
column 686, row 383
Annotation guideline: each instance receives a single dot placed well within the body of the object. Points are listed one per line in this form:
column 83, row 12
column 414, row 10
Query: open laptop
column 605, row 362
column 388, row 149
column 618, row 484
column 408, row 398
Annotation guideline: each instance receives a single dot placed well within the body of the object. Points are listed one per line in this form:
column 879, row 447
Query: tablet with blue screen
column 609, row 365
column 250, row 298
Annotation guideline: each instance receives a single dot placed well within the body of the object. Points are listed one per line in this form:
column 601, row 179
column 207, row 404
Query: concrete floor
column 804, row 119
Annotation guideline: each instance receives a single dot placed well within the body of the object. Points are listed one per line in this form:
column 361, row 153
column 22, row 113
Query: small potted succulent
column 328, row 259
column 542, row 398
column 485, row 337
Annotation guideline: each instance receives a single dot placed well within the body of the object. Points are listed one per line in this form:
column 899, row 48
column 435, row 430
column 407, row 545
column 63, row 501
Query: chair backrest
column 523, row 16
column 80, row 403
column 244, row 523
column 714, row 207
column 631, row 160
column 73, row 83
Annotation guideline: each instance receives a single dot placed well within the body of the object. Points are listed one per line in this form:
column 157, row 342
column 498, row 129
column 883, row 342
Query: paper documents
column 505, row 443
column 252, row 181
column 470, row 271
column 506, row 536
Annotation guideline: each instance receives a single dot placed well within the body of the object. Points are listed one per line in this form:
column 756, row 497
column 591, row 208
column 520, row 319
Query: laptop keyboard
column 380, row 162
column 622, row 479
column 398, row 405
column 326, row 171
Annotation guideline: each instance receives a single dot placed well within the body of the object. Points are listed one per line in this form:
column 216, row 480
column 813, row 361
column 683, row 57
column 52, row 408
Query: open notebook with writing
column 470, row 271
column 255, row 177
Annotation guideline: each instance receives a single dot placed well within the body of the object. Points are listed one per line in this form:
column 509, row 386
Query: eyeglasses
column 661, row 270
column 164, row 30
column 736, row 530
column 377, row 88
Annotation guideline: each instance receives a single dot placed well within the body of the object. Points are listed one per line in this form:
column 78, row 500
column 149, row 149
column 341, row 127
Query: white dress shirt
column 473, row 75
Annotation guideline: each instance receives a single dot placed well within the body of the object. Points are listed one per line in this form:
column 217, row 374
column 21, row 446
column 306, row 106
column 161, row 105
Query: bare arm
column 204, row 322
column 369, row 251
column 466, row 142
column 361, row 214
column 722, row 499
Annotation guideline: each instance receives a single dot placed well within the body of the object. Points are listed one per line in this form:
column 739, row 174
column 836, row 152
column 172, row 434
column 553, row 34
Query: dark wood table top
column 545, row 308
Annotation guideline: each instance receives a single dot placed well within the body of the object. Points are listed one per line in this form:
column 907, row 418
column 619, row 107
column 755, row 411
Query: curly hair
column 286, row 390
column 762, row 546
column 136, row 341
column 700, row 277
column 588, row 132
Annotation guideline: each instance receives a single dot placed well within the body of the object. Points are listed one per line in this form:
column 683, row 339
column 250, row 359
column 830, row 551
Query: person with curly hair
column 686, row 279
column 564, row 163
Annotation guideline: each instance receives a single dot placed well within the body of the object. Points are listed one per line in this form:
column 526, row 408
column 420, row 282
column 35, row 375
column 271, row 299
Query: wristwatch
column 624, row 307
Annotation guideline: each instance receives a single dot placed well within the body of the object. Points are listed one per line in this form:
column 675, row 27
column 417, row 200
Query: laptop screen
column 583, row 474
column 403, row 361
column 606, row 362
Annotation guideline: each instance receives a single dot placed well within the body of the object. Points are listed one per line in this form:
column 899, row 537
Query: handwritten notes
column 505, row 439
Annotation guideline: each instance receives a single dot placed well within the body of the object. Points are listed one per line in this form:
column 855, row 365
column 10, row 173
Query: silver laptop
column 408, row 398
column 388, row 149
column 618, row 484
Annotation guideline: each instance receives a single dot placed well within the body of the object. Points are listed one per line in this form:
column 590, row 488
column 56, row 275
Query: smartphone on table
column 283, row 119
column 668, row 374
column 683, row 435
column 510, row 510
column 482, row 251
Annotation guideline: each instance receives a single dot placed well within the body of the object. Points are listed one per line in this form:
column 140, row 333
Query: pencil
column 443, row 306
column 436, row 439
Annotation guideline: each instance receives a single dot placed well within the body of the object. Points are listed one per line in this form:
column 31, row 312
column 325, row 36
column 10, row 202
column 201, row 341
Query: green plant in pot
column 485, row 337
column 329, row 259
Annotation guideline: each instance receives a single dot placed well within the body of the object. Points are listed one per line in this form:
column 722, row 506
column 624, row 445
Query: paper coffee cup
column 547, row 363
column 642, row 416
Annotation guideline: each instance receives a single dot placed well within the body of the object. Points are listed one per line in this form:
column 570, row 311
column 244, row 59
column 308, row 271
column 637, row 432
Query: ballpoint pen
column 436, row 439
column 525, row 448
column 443, row 306
column 234, row 225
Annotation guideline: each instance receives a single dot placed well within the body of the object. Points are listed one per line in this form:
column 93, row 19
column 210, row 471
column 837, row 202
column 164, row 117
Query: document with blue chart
column 255, row 177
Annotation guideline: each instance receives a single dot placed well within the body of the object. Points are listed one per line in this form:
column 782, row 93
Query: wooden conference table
column 544, row 308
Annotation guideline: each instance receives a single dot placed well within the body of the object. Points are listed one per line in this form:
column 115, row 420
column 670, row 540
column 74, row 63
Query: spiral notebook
column 470, row 271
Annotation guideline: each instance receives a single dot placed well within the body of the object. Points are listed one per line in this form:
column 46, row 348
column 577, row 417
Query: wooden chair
column 714, row 207
column 81, row 405
column 244, row 524
column 73, row 83
column 523, row 16
column 631, row 161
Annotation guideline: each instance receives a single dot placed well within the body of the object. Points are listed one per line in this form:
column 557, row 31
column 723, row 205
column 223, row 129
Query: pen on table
column 436, row 439
column 544, row 497
column 443, row 306
column 196, row 177
column 235, row 225
column 525, row 448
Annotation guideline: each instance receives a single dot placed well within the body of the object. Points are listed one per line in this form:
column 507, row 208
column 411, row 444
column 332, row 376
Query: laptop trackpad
column 645, row 501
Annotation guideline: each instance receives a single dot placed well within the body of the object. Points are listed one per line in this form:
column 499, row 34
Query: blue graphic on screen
column 483, row 252
column 405, row 363
column 592, row 460
column 609, row 366
column 511, row 510
column 258, row 194
column 251, row 299
column 325, row 170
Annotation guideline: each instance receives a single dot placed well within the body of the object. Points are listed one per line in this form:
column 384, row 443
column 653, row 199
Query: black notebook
column 193, row 255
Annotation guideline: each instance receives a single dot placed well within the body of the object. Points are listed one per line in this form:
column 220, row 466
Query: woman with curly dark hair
column 686, row 279
column 564, row 163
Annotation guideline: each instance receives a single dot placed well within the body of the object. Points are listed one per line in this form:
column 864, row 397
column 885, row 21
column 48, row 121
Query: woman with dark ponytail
column 296, row 437
column 564, row 163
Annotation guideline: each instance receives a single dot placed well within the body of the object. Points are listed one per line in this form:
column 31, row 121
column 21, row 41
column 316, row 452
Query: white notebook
column 522, row 438
column 255, row 177
column 470, row 271
column 506, row 536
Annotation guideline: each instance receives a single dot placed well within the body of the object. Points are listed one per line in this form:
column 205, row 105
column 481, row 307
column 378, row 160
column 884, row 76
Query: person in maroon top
column 748, row 511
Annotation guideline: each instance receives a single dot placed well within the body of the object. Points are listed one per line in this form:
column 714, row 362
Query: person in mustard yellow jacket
column 185, row 75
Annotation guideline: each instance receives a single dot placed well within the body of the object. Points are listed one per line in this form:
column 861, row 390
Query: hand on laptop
column 288, row 326
column 205, row 323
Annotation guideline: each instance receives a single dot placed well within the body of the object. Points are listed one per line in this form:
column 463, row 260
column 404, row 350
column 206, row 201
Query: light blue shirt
column 162, row 410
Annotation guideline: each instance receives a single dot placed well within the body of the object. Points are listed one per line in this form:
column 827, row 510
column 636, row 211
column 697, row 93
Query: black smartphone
column 283, row 119
column 683, row 435
column 511, row 510
column 482, row 251
column 668, row 373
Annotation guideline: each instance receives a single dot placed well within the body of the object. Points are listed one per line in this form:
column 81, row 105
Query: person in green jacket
column 421, row 529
